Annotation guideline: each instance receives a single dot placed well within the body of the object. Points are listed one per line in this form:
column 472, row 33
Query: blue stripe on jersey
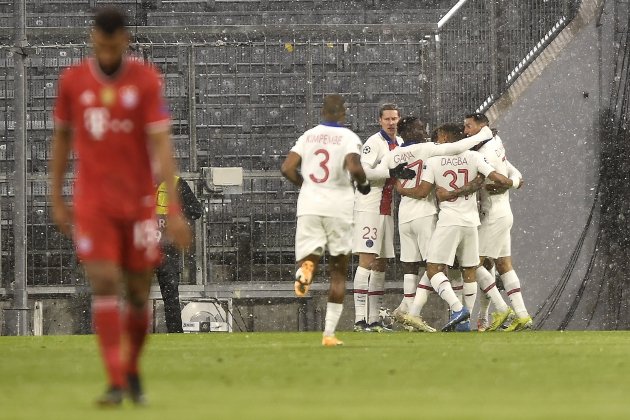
column 388, row 139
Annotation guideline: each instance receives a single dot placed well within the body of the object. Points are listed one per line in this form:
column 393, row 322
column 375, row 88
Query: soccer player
column 319, row 164
column 456, row 229
column 374, row 222
column 494, row 232
column 110, row 111
column 417, row 216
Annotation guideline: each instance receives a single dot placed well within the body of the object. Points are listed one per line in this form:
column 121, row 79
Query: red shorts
column 131, row 244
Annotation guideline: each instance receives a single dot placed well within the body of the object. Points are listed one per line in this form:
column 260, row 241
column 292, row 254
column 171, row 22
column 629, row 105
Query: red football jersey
column 111, row 117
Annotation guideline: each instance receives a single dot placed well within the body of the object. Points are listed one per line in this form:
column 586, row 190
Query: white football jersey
column 327, row 189
column 498, row 205
column 450, row 173
column 379, row 200
column 415, row 155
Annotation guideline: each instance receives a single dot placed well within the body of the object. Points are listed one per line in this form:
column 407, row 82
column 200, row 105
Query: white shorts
column 373, row 234
column 450, row 241
column 414, row 238
column 314, row 233
column 494, row 237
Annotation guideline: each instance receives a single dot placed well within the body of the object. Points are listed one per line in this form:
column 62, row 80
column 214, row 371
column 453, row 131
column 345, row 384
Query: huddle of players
column 448, row 173
column 328, row 162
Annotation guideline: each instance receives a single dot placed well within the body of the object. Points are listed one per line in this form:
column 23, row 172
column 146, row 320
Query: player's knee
column 104, row 278
column 379, row 264
column 366, row 261
column 504, row 265
column 433, row 269
column 410, row 267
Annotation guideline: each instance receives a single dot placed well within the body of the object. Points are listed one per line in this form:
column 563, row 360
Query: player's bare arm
column 500, row 180
column 177, row 227
column 353, row 166
column 470, row 187
column 61, row 147
column 290, row 170
column 419, row 192
column 515, row 175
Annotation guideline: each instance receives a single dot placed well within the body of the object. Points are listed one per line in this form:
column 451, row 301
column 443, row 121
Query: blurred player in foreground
column 319, row 164
column 111, row 112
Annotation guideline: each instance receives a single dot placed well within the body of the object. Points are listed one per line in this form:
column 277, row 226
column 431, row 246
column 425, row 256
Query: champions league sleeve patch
column 366, row 150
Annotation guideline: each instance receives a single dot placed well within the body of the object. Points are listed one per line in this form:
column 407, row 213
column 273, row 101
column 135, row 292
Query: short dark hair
column 110, row 20
column 434, row 136
column 388, row 107
column 455, row 132
column 334, row 107
column 478, row 117
column 405, row 123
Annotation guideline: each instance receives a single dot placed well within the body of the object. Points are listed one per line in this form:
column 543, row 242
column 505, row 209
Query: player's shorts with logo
column 450, row 241
column 494, row 237
column 131, row 244
column 414, row 238
column 316, row 233
column 373, row 234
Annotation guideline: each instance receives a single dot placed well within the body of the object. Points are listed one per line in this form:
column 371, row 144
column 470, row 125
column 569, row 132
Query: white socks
column 376, row 292
column 484, row 306
column 513, row 289
column 361, row 279
column 443, row 288
column 457, row 282
column 470, row 295
column 333, row 313
column 487, row 284
column 422, row 295
column 410, row 283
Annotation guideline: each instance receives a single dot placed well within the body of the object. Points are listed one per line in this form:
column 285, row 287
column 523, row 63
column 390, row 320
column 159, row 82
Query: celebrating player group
column 451, row 238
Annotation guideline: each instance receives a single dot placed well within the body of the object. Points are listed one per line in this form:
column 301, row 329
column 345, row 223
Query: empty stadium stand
column 241, row 94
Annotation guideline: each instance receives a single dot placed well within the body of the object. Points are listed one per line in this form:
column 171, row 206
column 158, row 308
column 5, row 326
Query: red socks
column 108, row 328
column 136, row 328
column 120, row 348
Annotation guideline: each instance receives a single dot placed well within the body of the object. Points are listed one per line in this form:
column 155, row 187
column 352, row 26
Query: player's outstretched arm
column 290, row 167
column 61, row 147
column 461, row 145
column 379, row 172
column 177, row 227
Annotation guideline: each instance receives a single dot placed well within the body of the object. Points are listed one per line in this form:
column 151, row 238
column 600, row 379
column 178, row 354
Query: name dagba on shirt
column 453, row 160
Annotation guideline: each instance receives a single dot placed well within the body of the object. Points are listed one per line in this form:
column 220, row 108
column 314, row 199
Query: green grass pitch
column 537, row 375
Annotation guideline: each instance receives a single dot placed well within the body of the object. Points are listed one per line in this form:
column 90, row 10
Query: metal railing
column 233, row 103
column 482, row 46
column 241, row 95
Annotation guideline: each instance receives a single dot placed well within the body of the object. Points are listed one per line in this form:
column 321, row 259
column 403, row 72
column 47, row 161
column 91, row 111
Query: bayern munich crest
column 129, row 97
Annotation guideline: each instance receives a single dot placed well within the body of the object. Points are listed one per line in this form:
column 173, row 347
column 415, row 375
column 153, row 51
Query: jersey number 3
column 322, row 165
